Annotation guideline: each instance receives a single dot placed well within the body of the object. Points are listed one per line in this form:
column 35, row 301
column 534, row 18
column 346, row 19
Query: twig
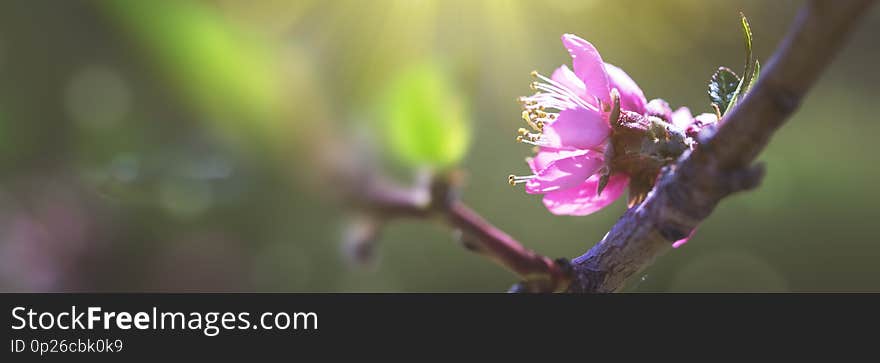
column 439, row 199
column 538, row 272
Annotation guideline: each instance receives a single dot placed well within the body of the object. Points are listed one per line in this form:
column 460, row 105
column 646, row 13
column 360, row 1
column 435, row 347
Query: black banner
column 115, row 326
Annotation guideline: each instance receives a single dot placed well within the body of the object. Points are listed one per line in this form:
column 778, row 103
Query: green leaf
column 723, row 87
column 425, row 119
column 755, row 74
column 747, row 38
column 748, row 69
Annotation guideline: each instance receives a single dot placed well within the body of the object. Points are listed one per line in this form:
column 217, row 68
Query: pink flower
column 691, row 125
column 569, row 114
column 680, row 118
column 575, row 167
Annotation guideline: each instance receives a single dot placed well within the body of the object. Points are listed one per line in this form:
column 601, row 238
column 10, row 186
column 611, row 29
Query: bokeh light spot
column 97, row 97
column 125, row 167
column 185, row 198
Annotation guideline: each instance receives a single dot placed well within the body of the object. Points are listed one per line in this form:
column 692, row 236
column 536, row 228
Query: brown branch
column 538, row 272
column 438, row 198
column 687, row 193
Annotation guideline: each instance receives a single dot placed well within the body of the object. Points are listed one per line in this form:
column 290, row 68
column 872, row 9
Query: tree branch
column 436, row 196
column 688, row 192
column 538, row 272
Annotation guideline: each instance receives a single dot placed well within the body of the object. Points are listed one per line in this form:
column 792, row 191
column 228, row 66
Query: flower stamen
column 533, row 142
column 554, row 88
column 513, row 180
column 536, row 119
column 549, row 94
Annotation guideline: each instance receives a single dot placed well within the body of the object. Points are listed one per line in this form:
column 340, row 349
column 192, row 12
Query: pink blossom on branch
column 589, row 126
column 572, row 140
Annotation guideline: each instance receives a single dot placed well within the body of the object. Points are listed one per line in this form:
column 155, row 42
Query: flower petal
column 706, row 118
column 568, row 79
column 631, row 96
column 578, row 128
column 588, row 66
column 564, row 173
column 660, row 108
column 582, row 200
column 546, row 156
column 682, row 241
column 682, row 118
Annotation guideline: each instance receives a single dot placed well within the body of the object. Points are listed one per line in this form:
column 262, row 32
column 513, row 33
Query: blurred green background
column 174, row 145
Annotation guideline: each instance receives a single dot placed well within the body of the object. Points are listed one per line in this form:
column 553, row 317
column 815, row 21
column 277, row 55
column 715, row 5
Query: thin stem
column 539, row 272
column 437, row 198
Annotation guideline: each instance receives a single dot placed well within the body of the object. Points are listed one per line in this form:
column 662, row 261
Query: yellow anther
column 534, row 74
column 511, row 180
